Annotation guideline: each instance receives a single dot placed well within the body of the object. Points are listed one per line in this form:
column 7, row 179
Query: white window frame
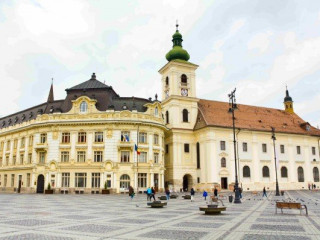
column 81, row 156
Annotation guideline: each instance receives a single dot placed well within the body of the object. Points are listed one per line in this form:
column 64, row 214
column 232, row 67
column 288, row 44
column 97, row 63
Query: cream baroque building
column 82, row 142
column 88, row 139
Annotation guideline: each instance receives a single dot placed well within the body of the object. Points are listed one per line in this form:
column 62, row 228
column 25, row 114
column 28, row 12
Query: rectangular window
column 167, row 148
column 23, row 142
column 15, row 143
column 142, row 180
column 156, row 139
column 298, row 150
column 65, row 156
column 81, row 156
column 95, row 180
column 14, row 160
column 156, row 158
column 42, row 157
column 21, row 158
column 7, row 160
column 82, row 137
column 142, row 137
column 30, row 141
column 98, row 137
column 1, row 161
column 28, row 179
column 65, row 137
column 186, row 147
column 65, row 180
column 125, row 156
column 245, row 147
column 125, row 136
column 281, row 148
column 222, row 145
column 8, row 145
column 80, row 180
column 313, row 150
column 1, row 146
column 264, row 147
column 5, row 180
column 30, row 158
column 12, row 180
column 98, row 156
column 143, row 157
column 43, row 138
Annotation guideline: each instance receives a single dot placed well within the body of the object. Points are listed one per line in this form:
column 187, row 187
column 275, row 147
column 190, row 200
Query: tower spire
column 51, row 97
column 177, row 25
column 288, row 103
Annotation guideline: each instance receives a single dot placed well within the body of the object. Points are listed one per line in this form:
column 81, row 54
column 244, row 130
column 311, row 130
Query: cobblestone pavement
column 116, row 217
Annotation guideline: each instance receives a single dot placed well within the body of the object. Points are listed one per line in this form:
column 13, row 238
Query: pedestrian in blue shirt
column 205, row 194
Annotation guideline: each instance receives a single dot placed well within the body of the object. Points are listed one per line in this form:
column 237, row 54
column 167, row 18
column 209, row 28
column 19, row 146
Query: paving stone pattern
column 53, row 217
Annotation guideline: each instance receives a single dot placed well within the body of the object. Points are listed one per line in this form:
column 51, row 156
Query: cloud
column 260, row 42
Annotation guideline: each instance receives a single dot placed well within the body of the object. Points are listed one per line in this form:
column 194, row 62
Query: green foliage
column 105, row 185
column 49, row 186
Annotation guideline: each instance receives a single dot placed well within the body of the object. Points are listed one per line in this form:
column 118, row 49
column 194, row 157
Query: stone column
column 152, row 179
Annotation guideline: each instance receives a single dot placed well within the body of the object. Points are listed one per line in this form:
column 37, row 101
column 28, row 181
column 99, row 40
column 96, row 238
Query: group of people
column 312, row 186
column 215, row 193
column 151, row 194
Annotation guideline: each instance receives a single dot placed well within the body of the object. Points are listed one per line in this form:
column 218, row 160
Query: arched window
column 124, row 181
column 265, row 172
column 300, row 174
column 185, row 115
column 167, row 81
column 246, row 171
column 315, row 174
column 223, row 162
column 184, row 79
column 156, row 112
column 167, row 117
column 284, row 172
column 83, row 107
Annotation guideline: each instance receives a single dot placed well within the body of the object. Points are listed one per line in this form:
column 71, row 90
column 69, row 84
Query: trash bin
column 230, row 199
column 282, row 193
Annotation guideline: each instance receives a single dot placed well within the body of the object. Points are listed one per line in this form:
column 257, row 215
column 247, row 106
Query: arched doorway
column 187, row 182
column 124, row 182
column 40, row 184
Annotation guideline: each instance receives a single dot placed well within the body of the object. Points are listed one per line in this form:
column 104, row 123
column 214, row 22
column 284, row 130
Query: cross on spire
column 177, row 25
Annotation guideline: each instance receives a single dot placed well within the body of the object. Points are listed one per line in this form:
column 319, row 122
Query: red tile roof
column 214, row 113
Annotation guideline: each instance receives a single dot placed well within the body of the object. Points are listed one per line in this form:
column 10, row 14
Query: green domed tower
column 177, row 52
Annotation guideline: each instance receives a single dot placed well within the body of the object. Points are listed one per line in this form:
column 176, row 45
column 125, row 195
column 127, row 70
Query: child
column 205, row 194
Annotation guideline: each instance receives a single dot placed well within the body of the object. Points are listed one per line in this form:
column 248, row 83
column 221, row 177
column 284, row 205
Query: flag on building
column 136, row 149
column 127, row 138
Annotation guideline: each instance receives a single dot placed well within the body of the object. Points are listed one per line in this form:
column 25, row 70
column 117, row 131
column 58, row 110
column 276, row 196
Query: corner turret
column 288, row 103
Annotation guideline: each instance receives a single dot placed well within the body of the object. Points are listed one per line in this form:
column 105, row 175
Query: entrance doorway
column 19, row 183
column 40, row 184
column 187, row 182
column 224, row 183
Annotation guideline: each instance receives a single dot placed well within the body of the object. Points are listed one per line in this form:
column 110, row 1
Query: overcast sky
column 257, row 46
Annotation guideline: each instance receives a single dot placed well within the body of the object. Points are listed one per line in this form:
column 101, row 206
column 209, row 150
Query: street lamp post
column 233, row 106
column 273, row 137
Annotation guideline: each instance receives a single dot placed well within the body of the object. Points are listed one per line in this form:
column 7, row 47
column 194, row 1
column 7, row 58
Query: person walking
column 153, row 193
column 131, row 192
column 205, row 194
column 215, row 192
column 240, row 192
column 264, row 192
column 149, row 192
column 309, row 186
column 192, row 192
column 167, row 193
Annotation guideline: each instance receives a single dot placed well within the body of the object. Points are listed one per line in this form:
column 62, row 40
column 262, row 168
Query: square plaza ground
column 31, row 216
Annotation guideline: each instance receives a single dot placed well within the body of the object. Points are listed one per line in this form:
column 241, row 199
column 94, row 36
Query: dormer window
column 83, row 107
column 23, row 117
column 184, row 80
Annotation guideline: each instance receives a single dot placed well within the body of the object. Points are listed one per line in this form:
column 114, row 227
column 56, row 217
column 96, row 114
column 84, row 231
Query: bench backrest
column 288, row 205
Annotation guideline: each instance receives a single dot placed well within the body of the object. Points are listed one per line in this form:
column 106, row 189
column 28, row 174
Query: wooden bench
column 157, row 204
column 291, row 205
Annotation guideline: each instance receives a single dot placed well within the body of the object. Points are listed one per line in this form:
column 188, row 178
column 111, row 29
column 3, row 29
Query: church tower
column 178, row 86
column 288, row 103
